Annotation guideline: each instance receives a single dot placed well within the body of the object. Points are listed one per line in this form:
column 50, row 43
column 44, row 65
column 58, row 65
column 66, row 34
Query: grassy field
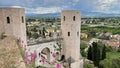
column 102, row 29
column 112, row 55
column 112, row 60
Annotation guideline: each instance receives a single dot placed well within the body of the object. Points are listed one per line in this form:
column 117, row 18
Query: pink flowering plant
column 29, row 58
column 57, row 65
column 54, row 55
column 53, row 64
column 43, row 60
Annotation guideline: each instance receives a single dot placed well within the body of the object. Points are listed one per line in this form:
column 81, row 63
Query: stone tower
column 12, row 23
column 70, row 25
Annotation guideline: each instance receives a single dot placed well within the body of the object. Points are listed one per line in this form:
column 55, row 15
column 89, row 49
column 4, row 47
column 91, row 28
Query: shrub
column 109, row 49
column 118, row 50
column 105, row 64
column 83, row 46
column 110, row 63
column 87, row 65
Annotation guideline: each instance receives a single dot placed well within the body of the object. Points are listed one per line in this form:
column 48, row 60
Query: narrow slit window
column 73, row 18
column 77, row 33
column 68, row 33
column 8, row 20
column 64, row 18
column 22, row 19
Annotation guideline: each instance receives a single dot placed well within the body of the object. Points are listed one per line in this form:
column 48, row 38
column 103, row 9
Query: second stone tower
column 70, row 25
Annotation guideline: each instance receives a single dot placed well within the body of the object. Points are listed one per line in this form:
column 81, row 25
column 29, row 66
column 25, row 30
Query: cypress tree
column 89, row 55
column 50, row 34
column 43, row 32
column 98, row 57
column 95, row 54
column 103, row 52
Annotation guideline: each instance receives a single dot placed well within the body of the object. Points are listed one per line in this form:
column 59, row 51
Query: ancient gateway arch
column 44, row 49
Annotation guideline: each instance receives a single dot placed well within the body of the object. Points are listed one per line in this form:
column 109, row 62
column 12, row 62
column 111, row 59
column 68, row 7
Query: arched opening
column 46, row 51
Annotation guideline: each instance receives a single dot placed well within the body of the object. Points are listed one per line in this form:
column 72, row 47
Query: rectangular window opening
column 73, row 18
column 68, row 33
column 64, row 18
column 22, row 19
column 77, row 33
column 8, row 20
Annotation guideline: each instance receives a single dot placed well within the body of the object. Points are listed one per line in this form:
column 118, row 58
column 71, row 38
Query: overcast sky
column 55, row 6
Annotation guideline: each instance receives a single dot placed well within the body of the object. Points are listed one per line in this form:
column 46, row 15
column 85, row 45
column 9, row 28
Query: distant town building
column 112, row 43
column 83, row 35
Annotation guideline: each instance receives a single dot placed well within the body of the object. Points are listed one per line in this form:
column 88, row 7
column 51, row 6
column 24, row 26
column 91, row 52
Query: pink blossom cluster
column 27, row 58
column 54, row 55
column 52, row 63
column 30, row 58
column 43, row 60
column 33, row 56
column 57, row 65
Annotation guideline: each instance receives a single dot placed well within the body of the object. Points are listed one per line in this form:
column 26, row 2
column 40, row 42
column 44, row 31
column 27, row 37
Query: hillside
column 9, row 54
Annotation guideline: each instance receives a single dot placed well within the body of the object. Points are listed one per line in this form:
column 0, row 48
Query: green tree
column 50, row 34
column 43, row 32
column 89, row 55
column 35, row 35
column 29, row 35
column 103, row 53
column 34, row 29
column 95, row 54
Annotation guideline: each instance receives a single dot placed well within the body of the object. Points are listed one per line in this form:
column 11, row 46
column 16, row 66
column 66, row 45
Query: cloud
column 54, row 6
column 44, row 10
column 16, row 6
column 106, row 6
column 76, row 1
